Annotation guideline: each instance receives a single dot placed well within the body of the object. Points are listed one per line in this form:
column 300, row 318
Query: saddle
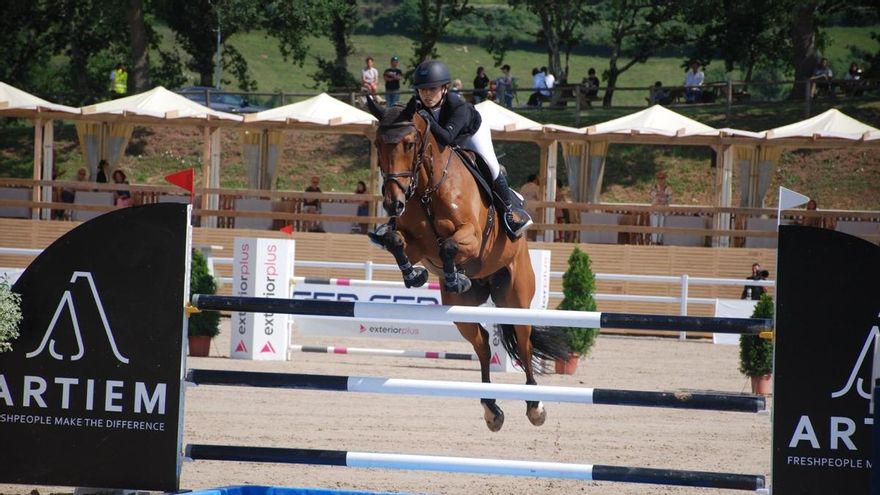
column 476, row 165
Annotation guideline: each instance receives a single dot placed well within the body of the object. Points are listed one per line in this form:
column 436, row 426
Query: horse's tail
column 548, row 345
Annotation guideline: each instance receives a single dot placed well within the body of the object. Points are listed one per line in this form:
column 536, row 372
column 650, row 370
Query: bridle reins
column 419, row 160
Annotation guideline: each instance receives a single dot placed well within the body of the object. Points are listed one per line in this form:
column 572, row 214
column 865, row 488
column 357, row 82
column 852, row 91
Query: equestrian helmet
column 430, row 74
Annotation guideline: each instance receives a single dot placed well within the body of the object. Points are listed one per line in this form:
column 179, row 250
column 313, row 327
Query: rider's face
column 432, row 97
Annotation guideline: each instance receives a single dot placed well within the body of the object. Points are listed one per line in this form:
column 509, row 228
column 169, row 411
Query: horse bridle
column 418, row 160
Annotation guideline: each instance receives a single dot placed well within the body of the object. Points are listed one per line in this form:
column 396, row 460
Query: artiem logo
column 861, row 387
column 67, row 302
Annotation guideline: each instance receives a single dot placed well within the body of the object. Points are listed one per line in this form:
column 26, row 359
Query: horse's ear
column 374, row 109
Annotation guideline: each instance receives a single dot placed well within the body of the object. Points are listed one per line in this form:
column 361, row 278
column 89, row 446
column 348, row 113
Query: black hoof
column 459, row 284
column 417, row 277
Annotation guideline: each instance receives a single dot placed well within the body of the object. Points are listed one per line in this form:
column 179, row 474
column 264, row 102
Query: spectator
column 853, row 80
column 68, row 195
column 659, row 96
column 531, row 192
column 103, row 166
column 539, row 83
column 754, row 292
column 456, row 86
column 481, row 82
column 119, row 80
column 812, row 221
column 312, row 206
column 821, row 78
column 504, row 87
column 549, row 82
column 363, row 207
column 392, row 77
column 693, row 81
column 590, row 89
column 121, row 197
column 661, row 195
column 563, row 215
column 370, row 78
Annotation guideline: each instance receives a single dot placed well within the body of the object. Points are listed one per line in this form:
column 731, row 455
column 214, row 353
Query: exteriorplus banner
column 827, row 317
column 90, row 395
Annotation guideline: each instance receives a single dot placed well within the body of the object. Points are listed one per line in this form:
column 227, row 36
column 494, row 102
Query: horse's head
column 400, row 142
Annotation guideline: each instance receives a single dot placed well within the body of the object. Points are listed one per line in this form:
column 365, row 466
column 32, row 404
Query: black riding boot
column 516, row 218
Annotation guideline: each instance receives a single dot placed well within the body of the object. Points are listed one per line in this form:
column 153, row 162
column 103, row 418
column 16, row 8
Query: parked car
column 221, row 101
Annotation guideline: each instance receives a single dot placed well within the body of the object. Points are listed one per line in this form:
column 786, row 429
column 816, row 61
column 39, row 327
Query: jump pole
column 515, row 316
column 438, row 388
column 320, row 349
column 587, row 472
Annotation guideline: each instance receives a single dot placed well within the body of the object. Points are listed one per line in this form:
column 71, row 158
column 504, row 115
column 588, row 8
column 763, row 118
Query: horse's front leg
column 460, row 245
column 413, row 276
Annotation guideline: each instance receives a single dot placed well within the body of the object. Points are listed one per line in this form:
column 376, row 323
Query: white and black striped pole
column 478, row 314
column 476, row 390
column 588, row 472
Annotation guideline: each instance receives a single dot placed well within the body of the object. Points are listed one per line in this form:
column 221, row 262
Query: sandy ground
column 608, row 435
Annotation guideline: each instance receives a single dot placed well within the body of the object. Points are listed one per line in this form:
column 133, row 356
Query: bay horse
column 441, row 218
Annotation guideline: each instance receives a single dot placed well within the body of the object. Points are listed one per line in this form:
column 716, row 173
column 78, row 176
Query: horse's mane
column 396, row 123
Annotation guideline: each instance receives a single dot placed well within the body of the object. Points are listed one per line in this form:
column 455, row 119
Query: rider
column 454, row 121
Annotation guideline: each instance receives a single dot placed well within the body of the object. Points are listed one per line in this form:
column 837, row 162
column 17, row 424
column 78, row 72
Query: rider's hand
column 426, row 115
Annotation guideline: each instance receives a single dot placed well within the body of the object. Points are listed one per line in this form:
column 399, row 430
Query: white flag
column 789, row 199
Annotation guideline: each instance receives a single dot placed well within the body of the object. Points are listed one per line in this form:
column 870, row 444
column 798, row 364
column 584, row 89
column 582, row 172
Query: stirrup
column 516, row 228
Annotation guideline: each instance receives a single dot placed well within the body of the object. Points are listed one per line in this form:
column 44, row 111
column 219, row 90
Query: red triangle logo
column 267, row 348
column 363, row 328
column 495, row 359
column 241, row 347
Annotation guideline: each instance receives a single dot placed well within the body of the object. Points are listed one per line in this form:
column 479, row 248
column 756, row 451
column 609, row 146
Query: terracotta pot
column 568, row 366
column 199, row 345
column 762, row 385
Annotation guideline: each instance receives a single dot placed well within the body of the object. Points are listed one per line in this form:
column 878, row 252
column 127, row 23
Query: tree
column 198, row 23
column 340, row 19
column 434, row 17
column 803, row 42
column 730, row 30
column 562, row 28
column 637, row 30
column 578, row 285
column 139, row 79
column 25, row 47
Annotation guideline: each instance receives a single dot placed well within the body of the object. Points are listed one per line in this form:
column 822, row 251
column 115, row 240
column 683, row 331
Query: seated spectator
column 312, row 206
column 456, row 86
column 363, row 208
column 121, row 197
column 693, row 81
column 754, row 292
column 658, row 95
column 821, row 79
column 103, row 168
column 812, row 221
column 539, row 84
column 590, row 89
column 563, row 215
column 481, row 83
column 370, row 78
column 853, row 80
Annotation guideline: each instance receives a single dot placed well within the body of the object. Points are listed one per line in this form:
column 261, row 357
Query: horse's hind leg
column 413, row 276
column 479, row 338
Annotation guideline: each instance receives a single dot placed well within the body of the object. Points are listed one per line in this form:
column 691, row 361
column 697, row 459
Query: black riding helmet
column 430, row 74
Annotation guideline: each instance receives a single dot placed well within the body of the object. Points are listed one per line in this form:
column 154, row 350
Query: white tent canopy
column 321, row 110
column 655, row 120
column 14, row 100
column 500, row 119
column 159, row 103
column 830, row 124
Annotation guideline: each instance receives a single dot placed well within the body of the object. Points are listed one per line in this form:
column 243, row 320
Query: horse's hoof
column 537, row 414
column 494, row 416
column 417, row 278
column 459, row 284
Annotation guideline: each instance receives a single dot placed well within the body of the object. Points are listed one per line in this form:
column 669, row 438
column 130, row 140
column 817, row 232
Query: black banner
column 90, row 395
column 826, row 320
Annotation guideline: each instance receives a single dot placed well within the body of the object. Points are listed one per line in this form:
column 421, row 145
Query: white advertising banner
column 261, row 268
column 398, row 329
column 732, row 308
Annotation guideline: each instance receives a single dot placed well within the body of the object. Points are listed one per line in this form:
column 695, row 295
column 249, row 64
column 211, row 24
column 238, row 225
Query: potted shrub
column 205, row 325
column 578, row 284
column 10, row 315
column 756, row 354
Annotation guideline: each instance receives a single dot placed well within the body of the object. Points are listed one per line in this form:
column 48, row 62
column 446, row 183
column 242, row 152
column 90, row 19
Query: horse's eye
column 408, row 146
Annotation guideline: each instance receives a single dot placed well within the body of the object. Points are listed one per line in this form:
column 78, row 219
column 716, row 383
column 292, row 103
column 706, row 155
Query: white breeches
column 481, row 142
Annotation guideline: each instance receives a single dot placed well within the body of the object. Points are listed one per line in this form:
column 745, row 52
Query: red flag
column 183, row 179
column 287, row 229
